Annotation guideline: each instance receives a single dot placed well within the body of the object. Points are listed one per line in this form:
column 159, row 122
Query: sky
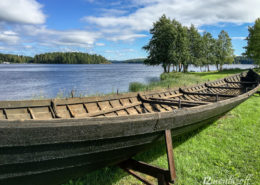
column 115, row 29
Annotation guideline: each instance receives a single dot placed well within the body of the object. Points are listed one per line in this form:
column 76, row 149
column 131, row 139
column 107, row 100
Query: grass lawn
column 228, row 149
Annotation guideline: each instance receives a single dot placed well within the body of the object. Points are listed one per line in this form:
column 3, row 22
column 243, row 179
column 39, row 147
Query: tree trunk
column 221, row 67
column 185, row 68
column 208, row 68
column 180, row 67
column 217, row 66
column 164, row 69
column 169, row 67
column 173, row 68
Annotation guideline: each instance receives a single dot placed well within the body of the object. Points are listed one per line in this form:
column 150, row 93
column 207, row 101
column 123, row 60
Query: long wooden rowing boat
column 51, row 141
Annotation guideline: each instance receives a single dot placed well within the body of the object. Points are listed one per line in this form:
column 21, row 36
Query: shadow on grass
column 111, row 175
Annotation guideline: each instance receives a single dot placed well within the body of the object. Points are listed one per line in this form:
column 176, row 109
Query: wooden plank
column 207, row 94
column 132, row 111
column 112, row 110
column 222, row 87
column 242, row 82
column 5, row 113
column 175, row 95
column 19, row 116
column 78, row 108
column 62, row 112
column 54, row 109
column 17, row 111
column 72, row 114
column 170, row 157
column 43, row 115
column 139, row 109
column 115, row 103
column 183, row 101
column 92, row 107
column 40, row 109
column 122, row 112
column 2, row 115
column 148, row 107
column 167, row 102
column 31, row 113
column 145, row 168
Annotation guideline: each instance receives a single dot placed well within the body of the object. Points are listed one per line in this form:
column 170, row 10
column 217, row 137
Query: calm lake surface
column 30, row 81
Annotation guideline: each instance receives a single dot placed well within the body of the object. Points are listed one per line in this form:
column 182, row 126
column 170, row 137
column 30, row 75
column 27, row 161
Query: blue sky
column 115, row 29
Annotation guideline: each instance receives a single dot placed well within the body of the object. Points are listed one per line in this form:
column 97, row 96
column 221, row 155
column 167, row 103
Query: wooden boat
column 51, row 141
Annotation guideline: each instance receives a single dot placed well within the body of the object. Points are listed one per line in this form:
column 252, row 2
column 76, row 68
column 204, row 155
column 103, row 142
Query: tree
column 253, row 42
column 177, row 45
column 195, row 48
column 208, row 50
column 161, row 47
column 183, row 48
column 225, row 53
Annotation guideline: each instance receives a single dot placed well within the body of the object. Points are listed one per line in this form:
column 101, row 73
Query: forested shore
column 56, row 58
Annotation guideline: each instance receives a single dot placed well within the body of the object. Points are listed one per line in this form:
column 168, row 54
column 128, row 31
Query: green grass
column 217, row 74
column 229, row 148
column 174, row 79
column 167, row 80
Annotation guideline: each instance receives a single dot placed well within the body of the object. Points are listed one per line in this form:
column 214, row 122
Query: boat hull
column 57, row 162
column 57, row 171
column 64, row 144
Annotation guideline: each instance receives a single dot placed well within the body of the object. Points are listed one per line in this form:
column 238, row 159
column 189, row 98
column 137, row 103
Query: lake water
column 27, row 81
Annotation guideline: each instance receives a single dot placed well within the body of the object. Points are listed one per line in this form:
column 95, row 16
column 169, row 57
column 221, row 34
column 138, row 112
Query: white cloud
column 21, row 11
column 121, row 51
column 126, row 37
column 77, row 37
column 197, row 12
column 109, row 51
column 9, row 32
column 112, row 12
column 8, row 37
column 100, row 44
column 2, row 48
column 238, row 38
column 49, row 37
column 28, row 46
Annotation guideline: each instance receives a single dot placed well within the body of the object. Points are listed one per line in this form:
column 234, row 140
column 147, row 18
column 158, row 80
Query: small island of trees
column 56, row 58
column 15, row 58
